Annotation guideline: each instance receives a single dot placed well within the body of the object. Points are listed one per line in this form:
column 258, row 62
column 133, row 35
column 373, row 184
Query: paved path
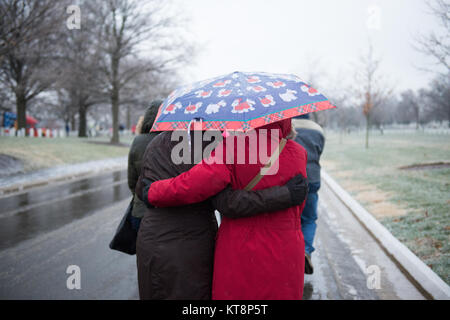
column 46, row 229
column 346, row 256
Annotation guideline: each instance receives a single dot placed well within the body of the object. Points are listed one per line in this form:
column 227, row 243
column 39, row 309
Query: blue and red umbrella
column 239, row 101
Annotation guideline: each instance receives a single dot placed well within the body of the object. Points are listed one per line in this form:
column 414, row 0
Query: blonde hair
column 139, row 125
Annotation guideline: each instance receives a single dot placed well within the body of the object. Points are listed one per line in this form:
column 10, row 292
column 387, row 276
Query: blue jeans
column 309, row 217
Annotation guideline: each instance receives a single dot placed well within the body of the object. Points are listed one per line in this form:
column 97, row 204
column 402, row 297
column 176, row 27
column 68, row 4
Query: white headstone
column 39, row 131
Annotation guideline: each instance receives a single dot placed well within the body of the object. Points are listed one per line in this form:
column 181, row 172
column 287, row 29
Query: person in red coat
column 259, row 257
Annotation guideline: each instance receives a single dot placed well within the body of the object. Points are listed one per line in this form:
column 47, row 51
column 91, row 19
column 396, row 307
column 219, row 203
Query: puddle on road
column 51, row 207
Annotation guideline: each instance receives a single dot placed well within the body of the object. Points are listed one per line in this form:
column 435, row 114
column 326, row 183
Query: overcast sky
column 288, row 36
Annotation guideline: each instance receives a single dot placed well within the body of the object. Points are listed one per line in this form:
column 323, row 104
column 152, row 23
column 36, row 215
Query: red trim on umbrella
column 244, row 125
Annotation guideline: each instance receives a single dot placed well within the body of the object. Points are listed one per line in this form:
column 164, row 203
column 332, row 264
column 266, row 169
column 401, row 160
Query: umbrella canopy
column 31, row 120
column 239, row 101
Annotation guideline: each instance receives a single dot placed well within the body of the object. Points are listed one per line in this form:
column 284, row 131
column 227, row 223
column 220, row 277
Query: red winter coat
column 260, row 257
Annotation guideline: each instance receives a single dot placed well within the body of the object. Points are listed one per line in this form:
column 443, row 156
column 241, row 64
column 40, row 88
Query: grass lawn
column 414, row 204
column 39, row 153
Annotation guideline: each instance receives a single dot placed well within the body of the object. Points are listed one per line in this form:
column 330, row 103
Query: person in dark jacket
column 175, row 245
column 310, row 136
column 137, row 149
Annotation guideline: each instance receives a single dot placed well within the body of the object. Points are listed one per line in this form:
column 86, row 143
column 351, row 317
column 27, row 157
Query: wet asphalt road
column 46, row 229
column 40, row 210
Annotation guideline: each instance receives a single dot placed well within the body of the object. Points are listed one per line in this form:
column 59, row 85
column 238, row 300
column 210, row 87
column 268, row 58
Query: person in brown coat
column 135, row 156
column 175, row 245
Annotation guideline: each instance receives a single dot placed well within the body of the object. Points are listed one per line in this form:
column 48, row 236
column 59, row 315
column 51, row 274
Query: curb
column 77, row 174
column 428, row 281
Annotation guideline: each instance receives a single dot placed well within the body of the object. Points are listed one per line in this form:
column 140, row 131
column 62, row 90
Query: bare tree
column 312, row 72
column 82, row 79
column 439, row 98
column 64, row 107
column 412, row 102
column 144, row 88
column 437, row 45
column 372, row 90
column 29, row 32
column 127, row 27
column 22, row 22
column 6, row 99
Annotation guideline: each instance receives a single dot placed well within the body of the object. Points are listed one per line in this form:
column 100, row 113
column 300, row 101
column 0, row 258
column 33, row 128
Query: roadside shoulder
column 417, row 270
column 17, row 183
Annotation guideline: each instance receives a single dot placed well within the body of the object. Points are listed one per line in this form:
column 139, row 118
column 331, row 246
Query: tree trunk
column 72, row 121
column 115, row 100
column 367, row 130
column 115, row 114
column 448, row 115
column 128, row 117
column 417, row 118
column 21, row 105
column 82, row 125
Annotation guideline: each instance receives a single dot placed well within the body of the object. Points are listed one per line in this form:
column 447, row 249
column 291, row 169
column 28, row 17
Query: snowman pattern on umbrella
column 309, row 90
column 215, row 107
column 224, row 92
column 276, row 84
column 193, row 108
column 222, row 84
column 203, row 94
column 288, row 96
column 250, row 91
column 256, row 89
column 240, row 106
column 171, row 108
column 267, row 101
column 253, row 79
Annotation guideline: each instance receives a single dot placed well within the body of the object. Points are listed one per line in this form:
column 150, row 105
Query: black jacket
column 136, row 154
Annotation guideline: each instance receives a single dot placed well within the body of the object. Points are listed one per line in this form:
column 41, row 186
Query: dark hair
column 150, row 115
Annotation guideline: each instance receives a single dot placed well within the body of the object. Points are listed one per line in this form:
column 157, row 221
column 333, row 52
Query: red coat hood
column 284, row 126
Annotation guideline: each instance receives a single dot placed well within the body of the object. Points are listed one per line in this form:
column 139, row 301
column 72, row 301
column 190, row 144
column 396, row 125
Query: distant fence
column 437, row 131
column 405, row 131
column 33, row 133
column 56, row 133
